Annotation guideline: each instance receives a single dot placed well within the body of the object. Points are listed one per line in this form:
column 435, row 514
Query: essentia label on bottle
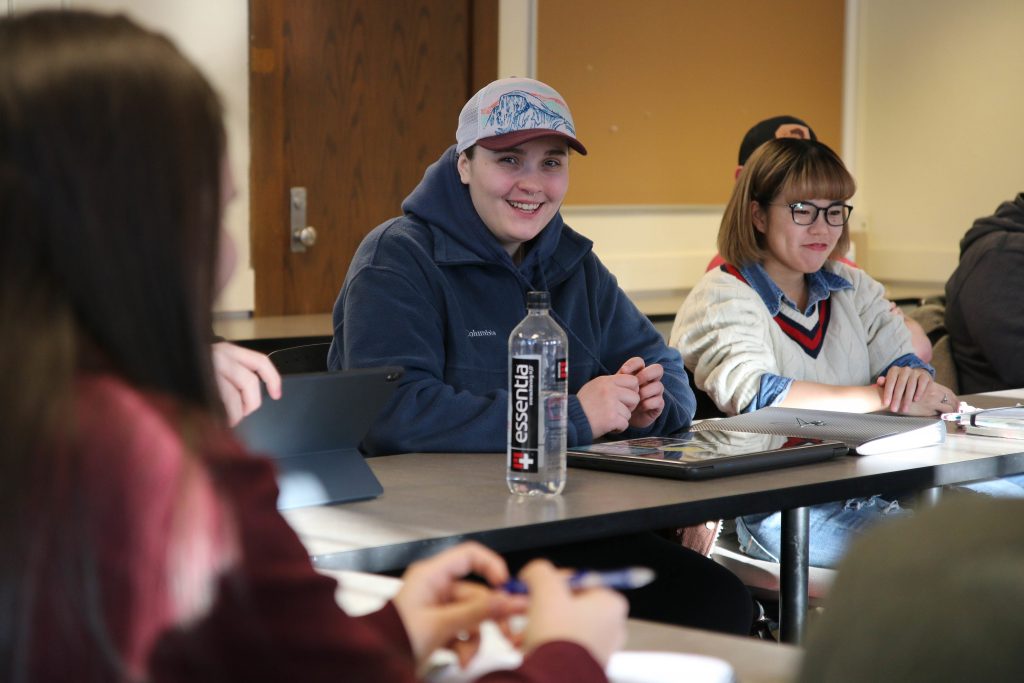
column 526, row 414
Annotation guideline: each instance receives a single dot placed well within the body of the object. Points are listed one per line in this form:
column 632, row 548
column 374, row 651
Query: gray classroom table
column 434, row 500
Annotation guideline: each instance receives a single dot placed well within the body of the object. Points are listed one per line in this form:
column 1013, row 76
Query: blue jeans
column 1006, row 487
column 832, row 527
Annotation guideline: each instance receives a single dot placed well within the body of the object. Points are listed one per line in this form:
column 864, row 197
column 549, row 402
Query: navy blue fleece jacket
column 434, row 292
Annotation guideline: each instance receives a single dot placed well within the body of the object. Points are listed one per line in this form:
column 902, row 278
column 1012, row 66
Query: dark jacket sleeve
column 275, row 618
column 552, row 663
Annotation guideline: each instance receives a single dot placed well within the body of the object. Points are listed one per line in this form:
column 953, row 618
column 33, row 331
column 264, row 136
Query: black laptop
column 313, row 432
column 703, row 455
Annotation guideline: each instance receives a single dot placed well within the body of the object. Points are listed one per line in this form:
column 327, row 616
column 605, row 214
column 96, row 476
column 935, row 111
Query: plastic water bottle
column 538, row 374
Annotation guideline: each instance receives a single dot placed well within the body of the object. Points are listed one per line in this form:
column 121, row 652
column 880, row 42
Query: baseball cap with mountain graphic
column 510, row 111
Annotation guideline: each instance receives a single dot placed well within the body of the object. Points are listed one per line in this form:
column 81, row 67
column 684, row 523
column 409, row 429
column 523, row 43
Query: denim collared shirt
column 820, row 285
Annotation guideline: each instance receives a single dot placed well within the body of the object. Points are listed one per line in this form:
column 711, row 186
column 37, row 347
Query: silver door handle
column 303, row 236
column 307, row 236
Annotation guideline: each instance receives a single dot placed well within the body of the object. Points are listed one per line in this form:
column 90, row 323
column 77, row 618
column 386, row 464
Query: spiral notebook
column 867, row 434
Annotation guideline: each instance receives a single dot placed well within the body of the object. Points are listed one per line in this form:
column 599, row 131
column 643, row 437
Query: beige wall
column 213, row 33
column 939, row 127
column 936, row 140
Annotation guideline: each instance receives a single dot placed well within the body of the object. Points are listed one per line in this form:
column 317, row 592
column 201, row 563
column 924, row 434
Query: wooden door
column 350, row 99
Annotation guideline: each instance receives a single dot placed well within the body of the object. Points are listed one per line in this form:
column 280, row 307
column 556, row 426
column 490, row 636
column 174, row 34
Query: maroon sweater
column 272, row 618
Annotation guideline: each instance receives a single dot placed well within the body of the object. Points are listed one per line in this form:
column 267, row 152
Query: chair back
column 305, row 358
column 931, row 317
column 706, row 408
column 945, row 367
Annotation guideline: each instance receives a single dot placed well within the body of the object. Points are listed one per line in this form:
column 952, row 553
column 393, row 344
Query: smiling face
column 517, row 191
column 790, row 250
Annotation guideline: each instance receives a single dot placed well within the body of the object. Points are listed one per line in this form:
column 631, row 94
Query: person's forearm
column 851, row 399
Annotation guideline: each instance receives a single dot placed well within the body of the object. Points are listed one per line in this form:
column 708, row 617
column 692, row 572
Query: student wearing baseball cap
column 784, row 323
column 438, row 290
column 784, row 126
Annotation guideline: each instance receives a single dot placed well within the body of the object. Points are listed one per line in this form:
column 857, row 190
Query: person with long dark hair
column 139, row 541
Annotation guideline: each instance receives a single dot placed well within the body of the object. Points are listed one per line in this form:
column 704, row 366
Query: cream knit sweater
column 728, row 340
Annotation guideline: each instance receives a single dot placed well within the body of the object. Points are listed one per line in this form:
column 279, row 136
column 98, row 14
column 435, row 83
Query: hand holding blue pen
column 626, row 578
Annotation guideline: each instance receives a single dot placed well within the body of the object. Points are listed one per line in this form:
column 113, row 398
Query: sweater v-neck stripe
column 812, row 339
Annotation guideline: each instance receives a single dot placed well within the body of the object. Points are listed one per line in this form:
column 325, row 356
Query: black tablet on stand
column 313, row 432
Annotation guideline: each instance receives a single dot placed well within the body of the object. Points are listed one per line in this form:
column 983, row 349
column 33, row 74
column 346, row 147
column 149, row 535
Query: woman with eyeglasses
column 784, row 323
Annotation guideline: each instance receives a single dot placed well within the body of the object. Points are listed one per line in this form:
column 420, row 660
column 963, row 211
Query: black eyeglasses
column 805, row 213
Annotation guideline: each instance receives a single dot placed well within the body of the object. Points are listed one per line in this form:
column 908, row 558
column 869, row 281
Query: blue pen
column 627, row 578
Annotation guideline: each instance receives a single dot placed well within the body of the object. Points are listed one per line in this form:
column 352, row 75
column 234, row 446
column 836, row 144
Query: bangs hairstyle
column 783, row 170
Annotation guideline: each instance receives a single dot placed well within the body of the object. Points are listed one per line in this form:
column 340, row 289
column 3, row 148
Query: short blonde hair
column 788, row 169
